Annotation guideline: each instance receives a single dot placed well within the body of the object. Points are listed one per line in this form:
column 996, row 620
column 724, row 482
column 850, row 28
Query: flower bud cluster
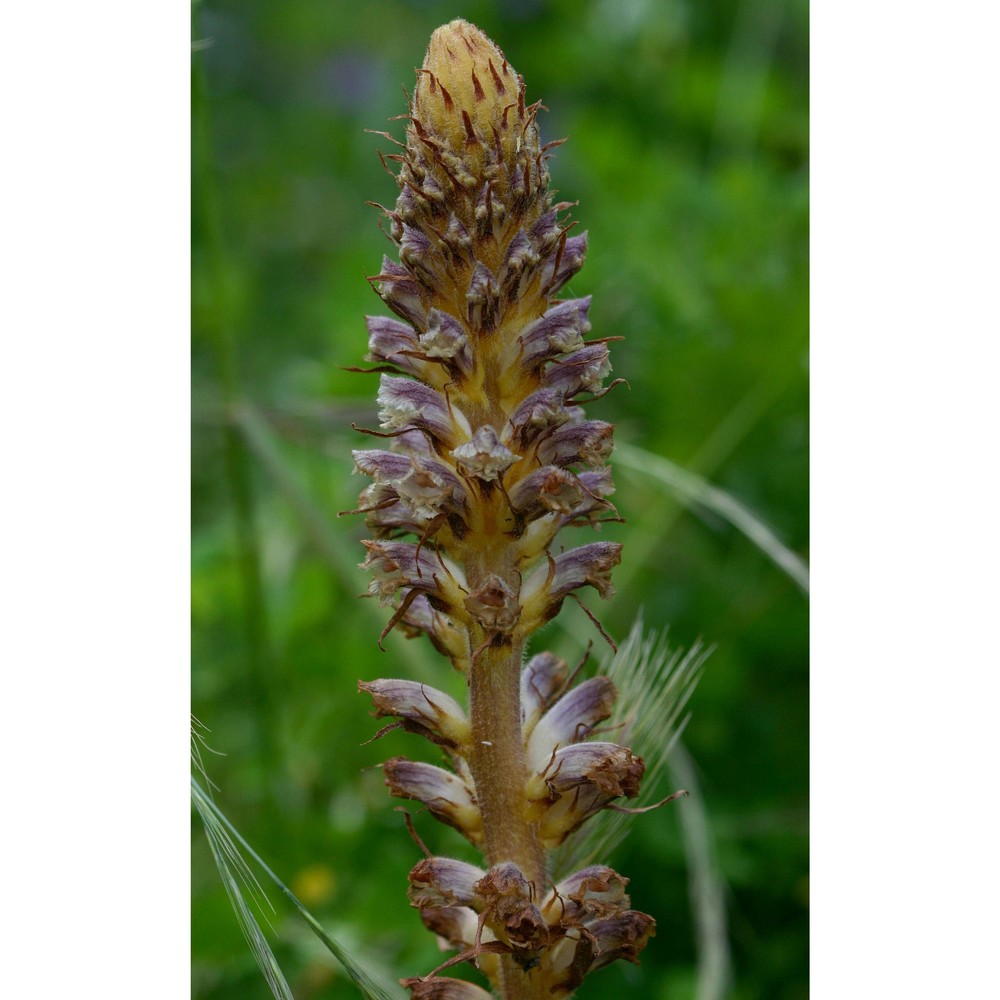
column 489, row 445
column 489, row 455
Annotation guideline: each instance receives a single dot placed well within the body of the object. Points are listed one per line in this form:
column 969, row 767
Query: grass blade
column 707, row 885
column 240, row 883
column 367, row 983
column 691, row 488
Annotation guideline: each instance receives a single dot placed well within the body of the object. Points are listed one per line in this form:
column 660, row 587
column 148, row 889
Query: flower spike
column 487, row 456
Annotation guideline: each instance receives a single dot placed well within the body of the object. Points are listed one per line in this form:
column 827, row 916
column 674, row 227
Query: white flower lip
column 484, row 457
column 446, row 338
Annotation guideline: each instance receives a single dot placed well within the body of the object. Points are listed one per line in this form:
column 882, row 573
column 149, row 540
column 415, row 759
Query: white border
column 904, row 549
column 95, row 509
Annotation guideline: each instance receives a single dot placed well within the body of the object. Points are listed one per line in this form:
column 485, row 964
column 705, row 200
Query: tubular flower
column 489, row 457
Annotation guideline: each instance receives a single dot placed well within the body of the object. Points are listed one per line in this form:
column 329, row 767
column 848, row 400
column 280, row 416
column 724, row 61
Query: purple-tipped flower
column 392, row 341
column 401, row 565
column 560, row 330
column 427, row 486
column 401, row 293
column 582, row 371
column 579, row 781
column 405, row 404
column 444, row 882
column 571, row 719
column 542, row 681
column 446, row 795
column 560, row 268
column 585, row 442
column 421, row 709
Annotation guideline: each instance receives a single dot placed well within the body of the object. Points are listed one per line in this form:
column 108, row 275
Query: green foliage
column 245, row 892
column 687, row 153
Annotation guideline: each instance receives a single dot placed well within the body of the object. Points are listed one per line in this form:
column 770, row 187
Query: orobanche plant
column 490, row 457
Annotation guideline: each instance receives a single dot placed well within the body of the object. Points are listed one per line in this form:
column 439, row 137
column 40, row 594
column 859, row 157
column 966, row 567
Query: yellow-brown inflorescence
column 490, row 457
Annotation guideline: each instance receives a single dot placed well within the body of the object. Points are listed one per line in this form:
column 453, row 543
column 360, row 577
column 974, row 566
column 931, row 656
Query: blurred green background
column 688, row 126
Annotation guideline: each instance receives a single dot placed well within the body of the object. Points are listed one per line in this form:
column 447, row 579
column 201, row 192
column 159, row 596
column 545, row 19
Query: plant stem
column 499, row 770
column 497, row 761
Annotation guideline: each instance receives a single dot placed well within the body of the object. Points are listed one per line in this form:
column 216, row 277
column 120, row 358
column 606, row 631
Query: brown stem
column 499, row 770
column 498, row 763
